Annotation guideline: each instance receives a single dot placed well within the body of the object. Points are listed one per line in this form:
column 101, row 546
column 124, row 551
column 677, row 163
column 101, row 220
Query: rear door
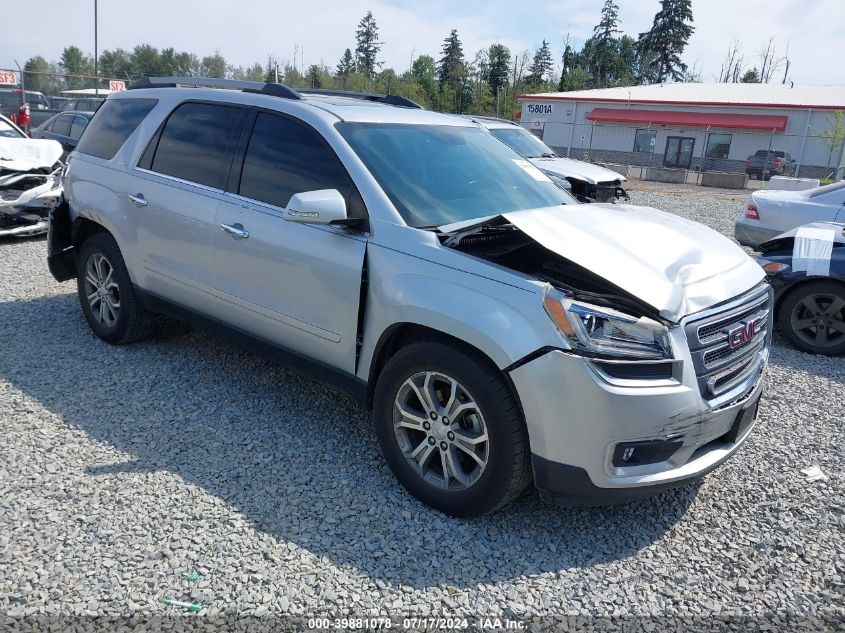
column 294, row 285
column 180, row 180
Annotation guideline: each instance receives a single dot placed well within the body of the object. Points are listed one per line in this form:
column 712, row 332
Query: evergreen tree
column 751, row 76
column 314, row 76
column 450, row 66
column 567, row 66
column 367, row 46
column 541, row 65
column 498, row 67
column 605, row 45
column 345, row 67
column 661, row 47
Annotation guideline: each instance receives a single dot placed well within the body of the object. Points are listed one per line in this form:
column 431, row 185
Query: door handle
column 237, row 231
column 138, row 199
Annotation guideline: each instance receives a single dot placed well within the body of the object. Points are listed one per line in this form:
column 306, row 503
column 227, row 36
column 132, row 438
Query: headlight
column 604, row 332
column 771, row 268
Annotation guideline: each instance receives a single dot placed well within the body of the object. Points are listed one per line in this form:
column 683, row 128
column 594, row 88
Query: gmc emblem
column 741, row 334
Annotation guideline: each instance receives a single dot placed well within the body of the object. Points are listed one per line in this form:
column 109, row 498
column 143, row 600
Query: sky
column 320, row 30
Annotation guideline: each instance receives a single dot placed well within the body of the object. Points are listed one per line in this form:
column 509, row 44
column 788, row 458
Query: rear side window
column 78, row 126
column 112, row 125
column 61, row 125
column 197, row 143
column 285, row 157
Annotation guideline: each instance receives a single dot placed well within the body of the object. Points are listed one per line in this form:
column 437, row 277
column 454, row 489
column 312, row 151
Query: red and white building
column 707, row 126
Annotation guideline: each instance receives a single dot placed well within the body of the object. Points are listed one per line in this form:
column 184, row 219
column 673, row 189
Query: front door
column 679, row 152
column 294, row 285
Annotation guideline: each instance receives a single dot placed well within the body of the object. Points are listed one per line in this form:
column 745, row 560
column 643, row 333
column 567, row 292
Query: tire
column 809, row 302
column 115, row 314
column 482, row 404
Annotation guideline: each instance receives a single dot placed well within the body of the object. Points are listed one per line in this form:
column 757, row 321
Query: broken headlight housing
column 604, row 332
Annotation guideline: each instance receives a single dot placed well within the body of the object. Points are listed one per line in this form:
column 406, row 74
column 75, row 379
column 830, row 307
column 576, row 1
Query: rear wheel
column 812, row 317
column 450, row 430
column 106, row 293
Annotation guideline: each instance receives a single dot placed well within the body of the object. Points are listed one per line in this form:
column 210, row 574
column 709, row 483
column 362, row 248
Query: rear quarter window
column 112, row 125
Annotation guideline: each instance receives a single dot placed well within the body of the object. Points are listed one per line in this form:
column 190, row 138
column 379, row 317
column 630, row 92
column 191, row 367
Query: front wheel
column 450, row 430
column 812, row 318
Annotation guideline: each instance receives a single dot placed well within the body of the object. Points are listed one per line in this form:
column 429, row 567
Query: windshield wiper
column 549, row 155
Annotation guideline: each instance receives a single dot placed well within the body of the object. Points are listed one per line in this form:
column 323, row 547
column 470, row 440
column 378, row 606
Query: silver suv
column 498, row 330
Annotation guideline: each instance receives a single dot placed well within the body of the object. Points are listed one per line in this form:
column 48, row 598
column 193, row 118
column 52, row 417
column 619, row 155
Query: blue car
column 806, row 268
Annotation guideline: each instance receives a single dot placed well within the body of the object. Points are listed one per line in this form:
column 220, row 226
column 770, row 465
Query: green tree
column 449, row 66
column 605, row 61
column 498, row 67
column 314, row 76
column 751, row 76
column 116, row 64
column 367, row 46
column 345, row 67
column 145, row 61
column 541, row 65
column 834, row 135
column 662, row 46
column 213, row 65
column 424, row 74
column 35, row 74
column 75, row 62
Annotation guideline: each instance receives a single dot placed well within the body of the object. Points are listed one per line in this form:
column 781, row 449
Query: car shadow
column 300, row 461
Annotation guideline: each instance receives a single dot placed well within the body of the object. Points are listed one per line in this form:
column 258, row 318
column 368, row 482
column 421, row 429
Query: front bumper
column 576, row 422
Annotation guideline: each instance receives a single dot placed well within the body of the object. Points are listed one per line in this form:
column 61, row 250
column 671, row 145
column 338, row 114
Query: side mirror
column 325, row 206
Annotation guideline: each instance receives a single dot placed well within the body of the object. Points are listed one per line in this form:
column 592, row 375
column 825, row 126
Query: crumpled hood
column 674, row 265
column 27, row 154
column 564, row 167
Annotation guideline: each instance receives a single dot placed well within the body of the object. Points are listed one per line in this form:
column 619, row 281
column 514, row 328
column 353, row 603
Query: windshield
column 439, row 174
column 523, row 142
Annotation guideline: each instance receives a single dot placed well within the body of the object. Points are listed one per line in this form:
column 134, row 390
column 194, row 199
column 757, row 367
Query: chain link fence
column 759, row 154
column 49, row 93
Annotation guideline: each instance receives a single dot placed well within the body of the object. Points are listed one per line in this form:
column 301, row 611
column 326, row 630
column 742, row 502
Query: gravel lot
column 124, row 470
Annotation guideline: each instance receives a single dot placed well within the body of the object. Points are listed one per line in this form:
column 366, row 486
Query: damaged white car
column 30, row 181
column 499, row 330
column 585, row 181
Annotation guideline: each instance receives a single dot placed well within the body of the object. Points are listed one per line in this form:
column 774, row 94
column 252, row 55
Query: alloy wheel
column 101, row 290
column 441, row 430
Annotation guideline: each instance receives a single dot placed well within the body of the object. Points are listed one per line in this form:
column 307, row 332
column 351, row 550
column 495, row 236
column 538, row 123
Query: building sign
column 8, row 78
column 537, row 126
column 117, row 86
column 540, row 108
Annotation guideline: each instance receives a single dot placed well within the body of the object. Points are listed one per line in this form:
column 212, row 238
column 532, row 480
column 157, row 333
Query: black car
column 66, row 128
column 806, row 268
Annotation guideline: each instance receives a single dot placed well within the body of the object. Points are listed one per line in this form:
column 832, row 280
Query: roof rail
column 477, row 117
column 275, row 90
column 395, row 100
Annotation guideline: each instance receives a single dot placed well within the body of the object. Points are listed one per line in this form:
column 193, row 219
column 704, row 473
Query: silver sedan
column 769, row 213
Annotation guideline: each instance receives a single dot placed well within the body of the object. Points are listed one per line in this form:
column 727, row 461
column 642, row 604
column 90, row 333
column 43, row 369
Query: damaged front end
column 30, row 185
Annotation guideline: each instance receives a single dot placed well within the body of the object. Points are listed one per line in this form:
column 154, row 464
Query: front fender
column 504, row 322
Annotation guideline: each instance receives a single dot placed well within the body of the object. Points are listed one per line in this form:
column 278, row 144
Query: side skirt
column 315, row 370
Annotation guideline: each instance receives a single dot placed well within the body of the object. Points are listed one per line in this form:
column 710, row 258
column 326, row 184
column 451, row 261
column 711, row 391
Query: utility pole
column 96, row 56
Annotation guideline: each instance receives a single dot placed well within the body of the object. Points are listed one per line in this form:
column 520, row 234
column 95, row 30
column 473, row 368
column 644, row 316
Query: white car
column 769, row 213
column 30, row 183
column 585, row 181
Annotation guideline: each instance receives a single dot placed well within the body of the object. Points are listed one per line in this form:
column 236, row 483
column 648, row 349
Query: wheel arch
column 399, row 335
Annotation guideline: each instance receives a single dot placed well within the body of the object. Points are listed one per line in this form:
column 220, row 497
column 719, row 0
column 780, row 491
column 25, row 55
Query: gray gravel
column 125, row 469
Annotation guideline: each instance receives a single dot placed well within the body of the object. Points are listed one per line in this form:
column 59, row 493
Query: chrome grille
column 720, row 368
